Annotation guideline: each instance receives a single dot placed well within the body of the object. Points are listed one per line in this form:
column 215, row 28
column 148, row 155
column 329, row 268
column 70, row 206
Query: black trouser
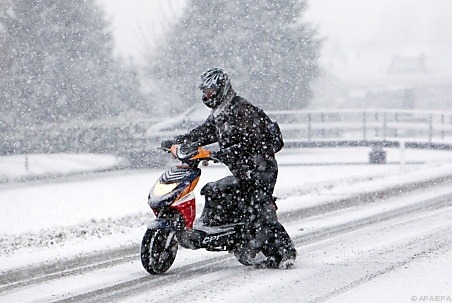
column 259, row 210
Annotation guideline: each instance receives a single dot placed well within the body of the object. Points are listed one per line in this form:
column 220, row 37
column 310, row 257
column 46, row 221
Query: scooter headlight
column 161, row 189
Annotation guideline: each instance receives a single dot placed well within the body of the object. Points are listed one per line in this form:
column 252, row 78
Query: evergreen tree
column 6, row 72
column 62, row 63
column 270, row 55
column 128, row 87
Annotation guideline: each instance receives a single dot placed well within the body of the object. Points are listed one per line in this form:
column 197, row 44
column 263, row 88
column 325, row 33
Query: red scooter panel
column 187, row 208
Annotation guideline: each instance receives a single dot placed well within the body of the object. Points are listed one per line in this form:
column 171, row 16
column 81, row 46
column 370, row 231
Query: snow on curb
column 18, row 168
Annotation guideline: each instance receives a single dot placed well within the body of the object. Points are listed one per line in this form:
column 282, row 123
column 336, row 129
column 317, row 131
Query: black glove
column 186, row 151
column 166, row 144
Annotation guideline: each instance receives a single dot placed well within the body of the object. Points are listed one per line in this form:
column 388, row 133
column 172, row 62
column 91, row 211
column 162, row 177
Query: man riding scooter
column 247, row 146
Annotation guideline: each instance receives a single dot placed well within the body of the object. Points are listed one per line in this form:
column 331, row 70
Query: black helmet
column 217, row 81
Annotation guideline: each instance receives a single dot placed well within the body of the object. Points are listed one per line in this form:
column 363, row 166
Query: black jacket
column 240, row 130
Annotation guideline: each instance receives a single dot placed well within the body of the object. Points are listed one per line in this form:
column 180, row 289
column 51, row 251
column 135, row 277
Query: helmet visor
column 208, row 93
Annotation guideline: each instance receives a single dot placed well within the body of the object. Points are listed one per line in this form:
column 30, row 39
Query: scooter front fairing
column 173, row 191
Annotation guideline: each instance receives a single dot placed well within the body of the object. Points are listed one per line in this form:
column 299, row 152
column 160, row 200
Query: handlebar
column 189, row 153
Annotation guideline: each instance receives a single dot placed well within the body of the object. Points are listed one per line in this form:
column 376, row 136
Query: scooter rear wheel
column 158, row 251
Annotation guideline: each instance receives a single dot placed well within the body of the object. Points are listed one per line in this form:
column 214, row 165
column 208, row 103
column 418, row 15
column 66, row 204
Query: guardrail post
column 364, row 126
column 309, row 126
column 377, row 155
column 430, row 129
column 402, row 153
column 385, row 118
column 322, row 117
column 396, row 119
column 442, row 131
column 376, row 127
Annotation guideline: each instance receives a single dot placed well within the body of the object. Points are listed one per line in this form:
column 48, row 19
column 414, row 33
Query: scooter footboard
column 215, row 238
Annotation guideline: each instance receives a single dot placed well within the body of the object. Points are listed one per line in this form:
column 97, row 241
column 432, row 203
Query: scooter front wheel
column 158, row 250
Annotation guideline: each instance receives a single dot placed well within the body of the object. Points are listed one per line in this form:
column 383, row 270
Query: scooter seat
column 226, row 185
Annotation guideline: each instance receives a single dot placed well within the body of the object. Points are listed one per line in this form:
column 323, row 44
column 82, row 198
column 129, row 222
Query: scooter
column 172, row 200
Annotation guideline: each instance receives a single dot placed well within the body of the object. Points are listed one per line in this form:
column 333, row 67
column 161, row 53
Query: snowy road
column 341, row 247
column 364, row 233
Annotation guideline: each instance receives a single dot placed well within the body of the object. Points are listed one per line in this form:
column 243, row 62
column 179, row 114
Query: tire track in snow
column 216, row 282
column 437, row 247
column 17, row 278
column 148, row 283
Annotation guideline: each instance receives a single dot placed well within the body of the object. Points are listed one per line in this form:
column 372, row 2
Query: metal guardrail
column 339, row 125
column 375, row 144
column 365, row 124
column 373, row 128
column 377, row 129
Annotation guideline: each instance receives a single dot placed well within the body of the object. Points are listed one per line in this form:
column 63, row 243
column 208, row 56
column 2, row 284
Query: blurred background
column 388, row 54
column 96, row 75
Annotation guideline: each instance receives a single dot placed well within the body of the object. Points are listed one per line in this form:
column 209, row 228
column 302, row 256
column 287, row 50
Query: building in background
column 385, row 54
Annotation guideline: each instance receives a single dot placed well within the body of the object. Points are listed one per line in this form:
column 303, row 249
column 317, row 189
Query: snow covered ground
column 19, row 167
column 59, row 219
column 33, row 206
